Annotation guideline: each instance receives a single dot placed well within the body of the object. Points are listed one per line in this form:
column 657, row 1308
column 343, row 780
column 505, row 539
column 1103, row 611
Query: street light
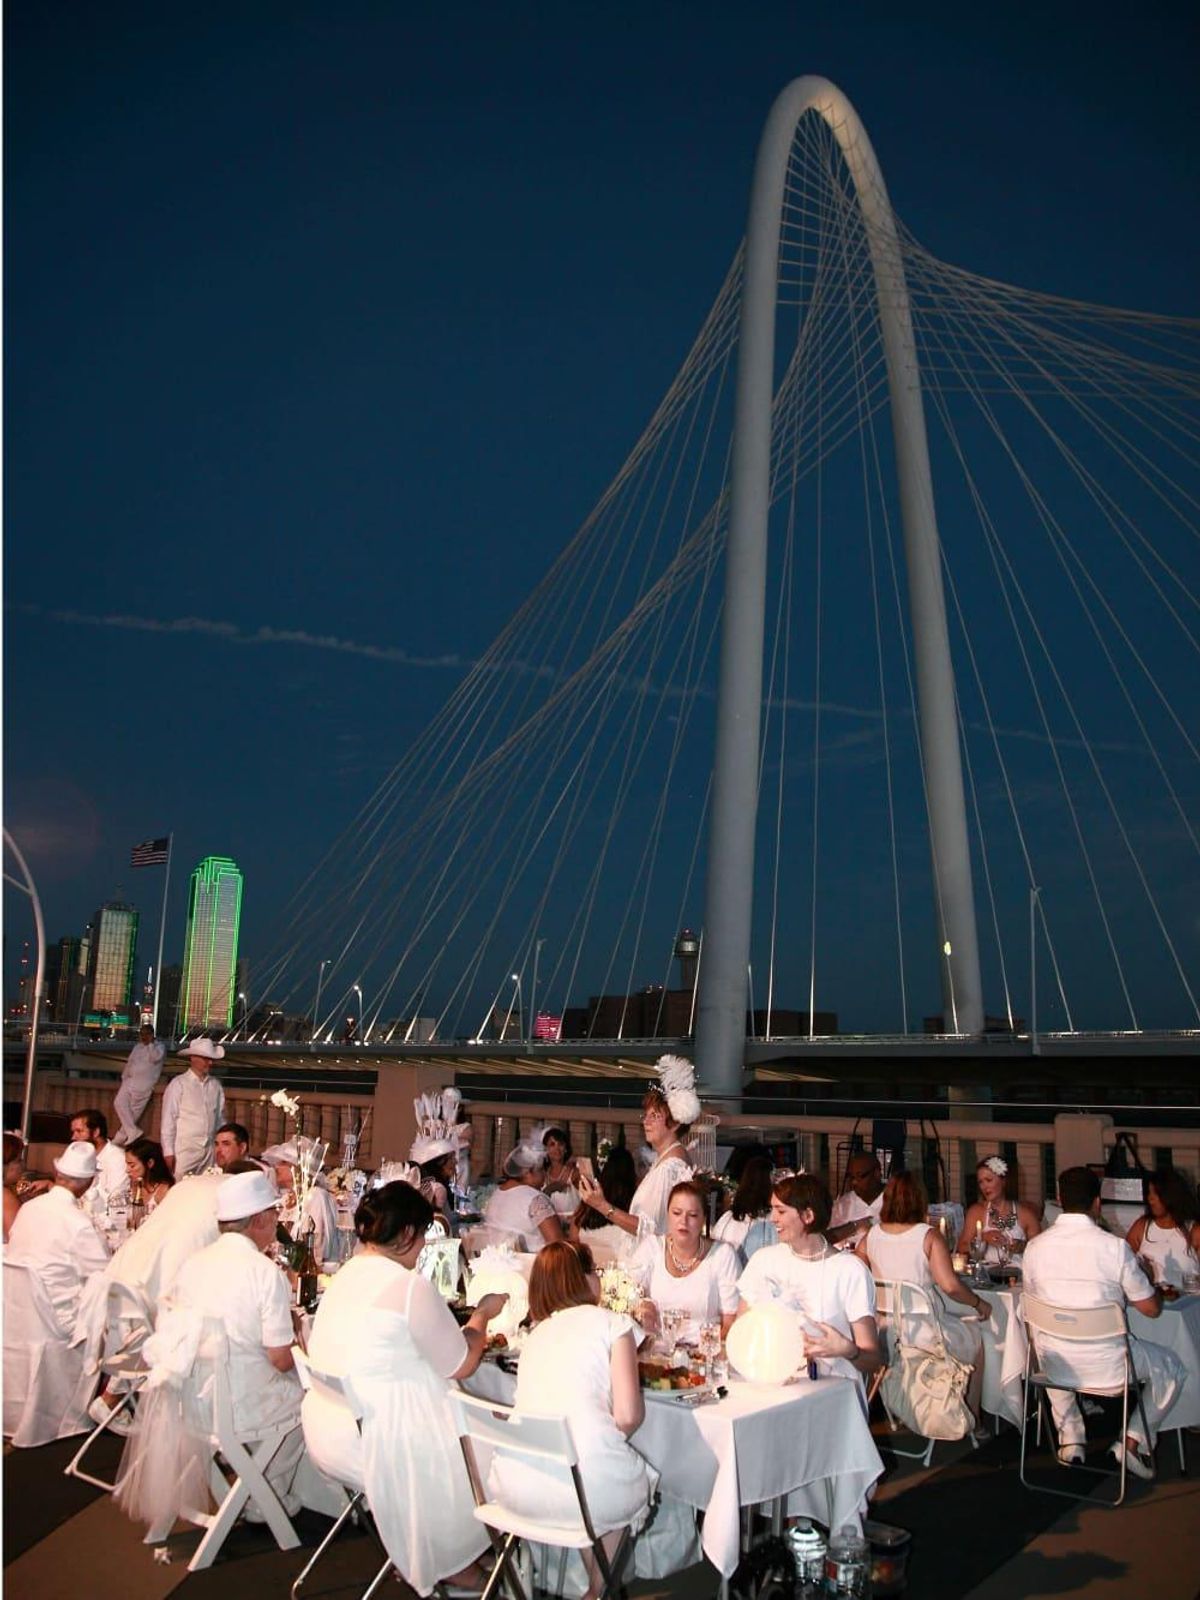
column 317, row 1002
column 537, row 950
column 358, row 1031
column 1034, row 893
column 242, row 998
column 515, row 978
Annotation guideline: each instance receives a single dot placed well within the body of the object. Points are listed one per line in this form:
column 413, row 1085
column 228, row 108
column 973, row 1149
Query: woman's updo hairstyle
column 528, row 1156
column 392, row 1214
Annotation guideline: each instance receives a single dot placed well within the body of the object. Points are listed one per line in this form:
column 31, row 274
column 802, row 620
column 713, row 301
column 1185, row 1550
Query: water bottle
column 848, row 1564
column 807, row 1545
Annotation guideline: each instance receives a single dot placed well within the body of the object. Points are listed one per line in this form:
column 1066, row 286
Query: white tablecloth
column 808, row 1441
column 1004, row 1346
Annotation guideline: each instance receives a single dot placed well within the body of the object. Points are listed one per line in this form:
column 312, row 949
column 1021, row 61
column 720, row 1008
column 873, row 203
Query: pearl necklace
column 683, row 1268
column 675, row 1144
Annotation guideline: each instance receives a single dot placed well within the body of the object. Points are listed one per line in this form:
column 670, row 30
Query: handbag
column 926, row 1389
column 1124, row 1174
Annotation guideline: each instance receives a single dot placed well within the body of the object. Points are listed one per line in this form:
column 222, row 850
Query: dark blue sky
column 335, row 321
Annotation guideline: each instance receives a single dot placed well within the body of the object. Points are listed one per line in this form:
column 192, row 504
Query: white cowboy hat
column 245, row 1194
column 203, row 1047
column 78, row 1160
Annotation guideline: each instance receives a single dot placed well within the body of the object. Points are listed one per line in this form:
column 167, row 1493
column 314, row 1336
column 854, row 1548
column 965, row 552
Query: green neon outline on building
column 202, row 984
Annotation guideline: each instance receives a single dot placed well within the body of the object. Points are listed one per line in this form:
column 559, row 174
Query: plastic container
column 808, row 1547
column 889, row 1557
column 848, row 1564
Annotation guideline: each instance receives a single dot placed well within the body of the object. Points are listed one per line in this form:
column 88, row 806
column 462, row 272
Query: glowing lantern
column 766, row 1345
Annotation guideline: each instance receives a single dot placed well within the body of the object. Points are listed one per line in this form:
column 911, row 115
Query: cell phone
column 583, row 1165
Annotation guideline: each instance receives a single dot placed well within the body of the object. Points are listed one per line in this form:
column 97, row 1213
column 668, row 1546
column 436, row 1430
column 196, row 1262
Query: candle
column 958, row 1261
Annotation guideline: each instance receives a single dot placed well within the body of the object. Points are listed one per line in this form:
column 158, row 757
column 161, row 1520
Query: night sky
column 326, row 325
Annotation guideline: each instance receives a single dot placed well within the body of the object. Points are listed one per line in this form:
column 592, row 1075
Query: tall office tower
column 111, row 958
column 209, row 984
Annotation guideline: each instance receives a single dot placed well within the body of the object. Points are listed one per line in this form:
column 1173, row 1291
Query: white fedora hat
column 78, row 1160
column 203, row 1047
column 245, row 1194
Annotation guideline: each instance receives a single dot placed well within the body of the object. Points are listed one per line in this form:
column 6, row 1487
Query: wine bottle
column 307, row 1289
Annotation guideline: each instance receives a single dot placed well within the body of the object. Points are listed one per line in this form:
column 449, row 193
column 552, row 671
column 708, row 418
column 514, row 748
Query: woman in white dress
column 518, row 1209
column 319, row 1214
column 580, row 1362
column 1003, row 1224
column 751, row 1202
column 668, row 1112
column 386, row 1328
column 1167, row 1237
column 683, row 1271
column 831, row 1290
column 903, row 1248
column 605, row 1240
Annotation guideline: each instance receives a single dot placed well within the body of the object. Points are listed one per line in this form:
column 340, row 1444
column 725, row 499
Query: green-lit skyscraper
column 210, row 946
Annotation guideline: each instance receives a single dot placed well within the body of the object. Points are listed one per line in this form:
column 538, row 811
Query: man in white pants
column 1074, row 1263
column 193, row 1108
column 143, row 1068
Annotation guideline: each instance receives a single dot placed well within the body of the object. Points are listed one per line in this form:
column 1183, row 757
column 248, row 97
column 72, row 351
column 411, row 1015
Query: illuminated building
column 111, row 954
column 208, row 987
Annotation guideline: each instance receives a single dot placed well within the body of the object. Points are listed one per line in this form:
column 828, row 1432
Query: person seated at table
column 55, row 1237
column 683, row 1271
column 858, row 1208
column 231, row 1143
column 580, row 1362
column 832, row 1290
column 437, row 1157
column 1167, row 1237
column 751, row 1202
column 1001, row 1223
column 668, row 1111
column 318, row 1215
column 562, row 1170
column 618, row 1181
column 1075, row 1263
column 518, row 1208
column 903, row 1248
column 387, row 1329
column 149, row 1176
column 14, row 1178
column 91, row 1127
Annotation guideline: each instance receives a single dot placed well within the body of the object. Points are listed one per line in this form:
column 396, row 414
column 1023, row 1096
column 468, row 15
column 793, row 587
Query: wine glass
column 671, row 1320
column 1004, row 1250
column 710, row 1349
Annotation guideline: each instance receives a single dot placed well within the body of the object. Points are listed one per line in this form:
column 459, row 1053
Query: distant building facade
column 208, row 986
column 112, row 953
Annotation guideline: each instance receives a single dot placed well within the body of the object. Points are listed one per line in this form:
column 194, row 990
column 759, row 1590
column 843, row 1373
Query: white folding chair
column 541, row 1442
column 1096, row 1325
column 247, row 1455
column 128, row 1310
column 897, row 1301
column 46, row 1390
column 339, row 1393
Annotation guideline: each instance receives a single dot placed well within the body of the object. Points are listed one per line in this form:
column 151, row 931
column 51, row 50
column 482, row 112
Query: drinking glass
column 710, row 1349
column 670, row 1321
column 1004, row 1250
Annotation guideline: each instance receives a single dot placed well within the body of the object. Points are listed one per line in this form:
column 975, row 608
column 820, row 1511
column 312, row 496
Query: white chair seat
column 572, row 1536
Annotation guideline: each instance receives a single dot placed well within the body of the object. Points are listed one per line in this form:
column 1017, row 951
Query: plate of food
column 662, row 1381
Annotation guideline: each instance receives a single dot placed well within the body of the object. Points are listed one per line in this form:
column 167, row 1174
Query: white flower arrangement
column 284, row 1101
column 603, row 1150
column 620, row 1291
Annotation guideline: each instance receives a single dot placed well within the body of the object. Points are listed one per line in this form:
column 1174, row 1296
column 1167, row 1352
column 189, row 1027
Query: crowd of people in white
column 199, row 1268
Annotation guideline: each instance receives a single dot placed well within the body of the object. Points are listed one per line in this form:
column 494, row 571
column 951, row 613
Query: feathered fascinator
column 397, row 1172
column 677, row 1078
column 437, row 1129
column 528, row 1153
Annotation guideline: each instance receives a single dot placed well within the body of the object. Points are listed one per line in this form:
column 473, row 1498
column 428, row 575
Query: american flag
column 150, row 853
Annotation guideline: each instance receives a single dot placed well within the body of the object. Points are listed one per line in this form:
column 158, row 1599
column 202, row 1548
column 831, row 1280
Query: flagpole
column 162, row 928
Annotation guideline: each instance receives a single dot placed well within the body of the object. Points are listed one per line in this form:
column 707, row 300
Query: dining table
column 804, row 1448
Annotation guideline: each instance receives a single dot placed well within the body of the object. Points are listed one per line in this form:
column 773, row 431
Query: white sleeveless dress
column 392, row 1335
column 1169, row 1252
column 901, row 1257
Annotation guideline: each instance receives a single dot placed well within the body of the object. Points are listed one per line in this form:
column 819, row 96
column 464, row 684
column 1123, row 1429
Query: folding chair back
column 46, row 1390
column 1080, row 1325
column 129, row 1314
column 542, row 1442
column 337, row 1392
column 897, row 1304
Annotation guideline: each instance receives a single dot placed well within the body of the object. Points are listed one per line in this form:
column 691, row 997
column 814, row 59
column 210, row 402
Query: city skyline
column 372, row 309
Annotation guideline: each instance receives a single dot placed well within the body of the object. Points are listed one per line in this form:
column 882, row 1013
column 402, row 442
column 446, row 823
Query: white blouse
column 706, row 1292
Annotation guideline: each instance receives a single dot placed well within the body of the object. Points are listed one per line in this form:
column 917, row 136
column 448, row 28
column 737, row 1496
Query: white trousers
column 1163, row 1376
column 130, row 1101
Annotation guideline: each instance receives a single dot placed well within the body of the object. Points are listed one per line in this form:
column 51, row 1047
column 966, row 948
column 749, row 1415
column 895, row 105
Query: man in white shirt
column 193, row 1108
column 234, row 1283
column 54, row 1236
column 143, row 1068
column 1075, row 1263
column 91, row 1127
column 859, row 1208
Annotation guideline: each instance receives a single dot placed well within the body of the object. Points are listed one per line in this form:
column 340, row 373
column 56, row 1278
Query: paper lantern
column 498, row 1272
column 765, row 1344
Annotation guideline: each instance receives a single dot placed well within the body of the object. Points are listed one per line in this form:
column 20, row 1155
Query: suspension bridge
column 875, row 662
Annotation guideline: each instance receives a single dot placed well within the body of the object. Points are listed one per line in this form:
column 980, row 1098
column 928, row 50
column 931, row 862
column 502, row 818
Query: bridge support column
column 721, row 999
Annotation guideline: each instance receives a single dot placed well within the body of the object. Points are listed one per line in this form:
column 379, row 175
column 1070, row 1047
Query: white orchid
column 283, row 1101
